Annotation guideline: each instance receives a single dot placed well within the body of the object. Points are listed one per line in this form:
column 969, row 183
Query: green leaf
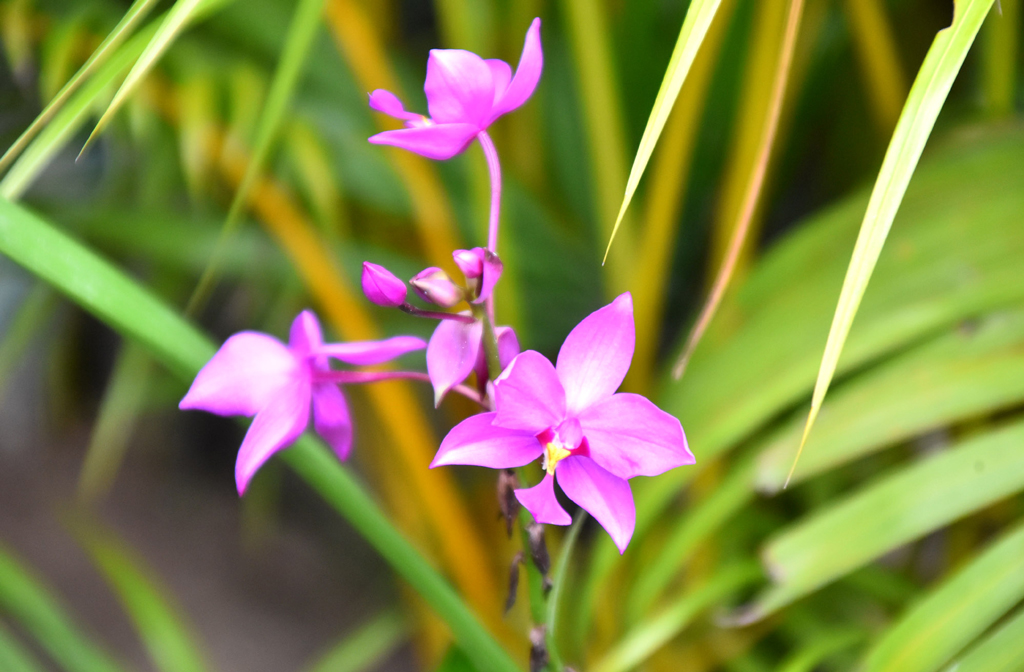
column 973, row 369
column 890, row 512
column 301, row 32
column 365, row 648
column 647, row 637
column 691, row 35
column 29, row 603
column 809, row 657
column 31, row 316
column 112, row 297
column 956, row 612
column 14, row 657
column 132, row 18
column 1001, row 651
column 558, row 579
column 931, row 86
column 169, row 640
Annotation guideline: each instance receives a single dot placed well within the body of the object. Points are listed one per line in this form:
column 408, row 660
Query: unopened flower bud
column 382, row 287
column 482, row 269
column 538, row 648
column 513, row 581
column 539, row 548
column 507, row 502
column 434, row 286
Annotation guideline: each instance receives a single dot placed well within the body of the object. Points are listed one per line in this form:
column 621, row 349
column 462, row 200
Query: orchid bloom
column 456, row 350
column 254, row 374
column 465, row 95
column 589, row 437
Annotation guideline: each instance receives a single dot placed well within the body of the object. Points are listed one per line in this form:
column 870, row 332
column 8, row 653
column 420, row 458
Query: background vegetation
column 227, row 151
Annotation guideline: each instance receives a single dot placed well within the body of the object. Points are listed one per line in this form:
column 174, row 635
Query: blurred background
column 123, row 511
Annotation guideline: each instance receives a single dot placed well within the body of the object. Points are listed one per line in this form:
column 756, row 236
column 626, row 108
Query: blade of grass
column 32, row 605
column 169, row 639
column 558, row 578
column 670, row 175
column 753, row 190
column 931, row 86
column 591, row 48
column 365, row 648
column 32, row 316
column 14, row 657
column 113, row 298
column 879, row 60
column 643, row 640
column 125, row 27
column 1000, row 651
column 301, row 32
column 123, row 399
column 691, row 35
column 810, row 657
column 999, row 59
column 936, row 627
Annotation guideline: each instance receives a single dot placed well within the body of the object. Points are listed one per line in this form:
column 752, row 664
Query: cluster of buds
column 479, row 266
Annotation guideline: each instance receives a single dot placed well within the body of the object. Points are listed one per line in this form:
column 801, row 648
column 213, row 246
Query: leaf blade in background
column 14, row 657
column 366, row 647
column 132, row 18
column 1000, row 651
column 695, row 26
column 969, row 602
column 168, row 638
column 1001, row 37
column 927, row 96
column 32, row 605
column 31, row 316
column 135, row 313
column 879, row 60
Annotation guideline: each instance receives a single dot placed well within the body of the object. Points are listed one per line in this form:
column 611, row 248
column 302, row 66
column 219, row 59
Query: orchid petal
column 492, row 267
column 459, row 87
column 367, row 353
column 531, row 63
column 501, row 75
column 276, row 426
column 384, row 101
column 331, row 418
column 451, row 354
column 475, row 441
column 630, row 436
column 305, row 336
column 528, row 394
column 602, row 494
column 435, row 141
column 248, row 371
column 596, row 354
column 542, row 504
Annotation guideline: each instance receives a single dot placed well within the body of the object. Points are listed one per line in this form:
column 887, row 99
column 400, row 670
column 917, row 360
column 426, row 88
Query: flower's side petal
column 247, row 373
column 331, row 418
column 602, row 494
column 501, row 74
column 436, row 141
column 491, row 274
column 305, row 337
column 596, row 354
column 630, row 436
column 542, row 504
column 384, row 101
column 508, row 345
column 475, row 441
column 459, row 87
column 367, row 353
column 276, row 426
column 451, row 354
column 529, row 395
column 531, row 63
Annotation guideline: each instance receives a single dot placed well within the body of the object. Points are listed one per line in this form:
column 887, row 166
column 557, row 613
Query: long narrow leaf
column 13, row 656
column 167, row 637
column 366, row 647
column 112, row 297
column 691, row 35
column 927, row 96
column 1001, row 651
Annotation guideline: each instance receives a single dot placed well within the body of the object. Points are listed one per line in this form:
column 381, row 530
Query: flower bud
column 434, row 286
column 538, row 648
column 482, row 269
column 382, row 287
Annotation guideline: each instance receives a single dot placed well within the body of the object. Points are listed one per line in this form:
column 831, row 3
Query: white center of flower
column 554, row 452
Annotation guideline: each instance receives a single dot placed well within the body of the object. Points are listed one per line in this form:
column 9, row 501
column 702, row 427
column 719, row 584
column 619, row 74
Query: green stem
column 558, row 576
column 490, row 343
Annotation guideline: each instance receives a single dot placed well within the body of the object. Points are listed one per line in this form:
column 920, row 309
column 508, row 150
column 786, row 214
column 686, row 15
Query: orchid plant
column 590, row 438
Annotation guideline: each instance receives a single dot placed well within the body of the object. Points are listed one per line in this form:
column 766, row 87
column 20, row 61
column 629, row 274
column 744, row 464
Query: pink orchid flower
column 590, row 438
column 465, row 94
column 456, row 350
column 254, row 374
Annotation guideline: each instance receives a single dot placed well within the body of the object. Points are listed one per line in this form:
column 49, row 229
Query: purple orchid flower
column 456, row 350
column 254, row 374
column 465, row 94
column 589, row 437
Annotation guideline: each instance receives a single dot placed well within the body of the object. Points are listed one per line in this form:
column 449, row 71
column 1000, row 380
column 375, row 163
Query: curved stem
column 436, row 314
column 362, row 377
column 494, row 167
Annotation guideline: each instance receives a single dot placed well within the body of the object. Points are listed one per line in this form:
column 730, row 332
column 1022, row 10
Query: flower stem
column 494, row 167
column 490, row 342
column 435, row 314
column 361, row 377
